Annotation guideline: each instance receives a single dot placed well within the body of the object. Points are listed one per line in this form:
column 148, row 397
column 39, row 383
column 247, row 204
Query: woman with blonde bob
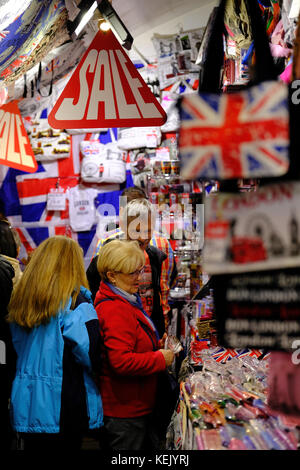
column 131, row 358
column 55, row 332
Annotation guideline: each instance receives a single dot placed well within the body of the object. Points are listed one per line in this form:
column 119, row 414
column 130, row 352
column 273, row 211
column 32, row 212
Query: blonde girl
column 55, row 332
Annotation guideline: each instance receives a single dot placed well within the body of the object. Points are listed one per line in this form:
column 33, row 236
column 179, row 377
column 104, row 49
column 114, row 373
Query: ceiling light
column 116, row 24
column 86, row 18
column 104, row 25
column 87, row 9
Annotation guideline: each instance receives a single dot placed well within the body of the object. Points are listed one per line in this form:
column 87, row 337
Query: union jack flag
column 237, row 135
column 256, row 353
column 3, row 35
column 250, row 353
column 266, row 356
column 224, row 355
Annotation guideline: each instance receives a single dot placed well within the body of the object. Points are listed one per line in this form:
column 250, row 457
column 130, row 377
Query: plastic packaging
column 227, row 403
column 173, row 344
column 237, row 444
column 250, row 445
column 211, row 439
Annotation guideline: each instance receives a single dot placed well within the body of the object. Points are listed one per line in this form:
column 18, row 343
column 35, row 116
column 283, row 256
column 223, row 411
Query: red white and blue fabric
column 237, row 135
column 224, row 355
column 256, row 353
column 24, row 198
column 266, row 356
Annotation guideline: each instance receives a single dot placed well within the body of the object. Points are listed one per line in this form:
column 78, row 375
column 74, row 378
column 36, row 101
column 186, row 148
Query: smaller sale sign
column 15, row 148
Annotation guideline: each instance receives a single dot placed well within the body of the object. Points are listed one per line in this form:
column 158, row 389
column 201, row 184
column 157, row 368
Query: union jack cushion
column 238, row 135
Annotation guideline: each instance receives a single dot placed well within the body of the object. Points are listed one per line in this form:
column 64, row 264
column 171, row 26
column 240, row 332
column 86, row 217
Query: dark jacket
column 7, row 359
column 7, row 353
column 156, row 257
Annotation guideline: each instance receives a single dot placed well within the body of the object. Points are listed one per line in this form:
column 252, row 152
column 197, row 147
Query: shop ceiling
column 31, row 30
column 142, row 15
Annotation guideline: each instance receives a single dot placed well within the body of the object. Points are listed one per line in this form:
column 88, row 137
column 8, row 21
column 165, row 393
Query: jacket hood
column 86, row 293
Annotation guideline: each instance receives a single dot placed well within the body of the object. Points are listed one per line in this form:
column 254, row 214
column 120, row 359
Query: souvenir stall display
column 223, row 406
column 224, row 393
column 209, row 132
column 230, row 397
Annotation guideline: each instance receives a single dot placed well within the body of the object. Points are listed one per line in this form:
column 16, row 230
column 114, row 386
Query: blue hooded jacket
column 53, row 390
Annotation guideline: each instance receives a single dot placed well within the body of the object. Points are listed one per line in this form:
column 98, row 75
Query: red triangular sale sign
column 106, row 90
column 15, row 148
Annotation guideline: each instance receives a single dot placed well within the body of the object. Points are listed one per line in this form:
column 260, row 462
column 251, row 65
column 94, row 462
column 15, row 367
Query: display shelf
column 223, row 407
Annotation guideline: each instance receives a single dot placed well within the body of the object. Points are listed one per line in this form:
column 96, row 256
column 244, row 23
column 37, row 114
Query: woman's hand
column 168, row 355
column 161, row 342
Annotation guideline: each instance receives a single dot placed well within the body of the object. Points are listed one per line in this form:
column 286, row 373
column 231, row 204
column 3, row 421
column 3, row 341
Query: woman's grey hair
column 141, row 208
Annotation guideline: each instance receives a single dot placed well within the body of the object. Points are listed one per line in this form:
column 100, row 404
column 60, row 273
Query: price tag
column 56, row 200
column 151, row 140
column 162, row 153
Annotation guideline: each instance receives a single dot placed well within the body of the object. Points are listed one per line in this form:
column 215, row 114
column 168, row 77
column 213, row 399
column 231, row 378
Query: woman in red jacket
column 131, row 358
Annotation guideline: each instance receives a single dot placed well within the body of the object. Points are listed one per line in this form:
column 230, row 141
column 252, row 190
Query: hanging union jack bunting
column 256, row 353
column 237, row 135
column 224, row 355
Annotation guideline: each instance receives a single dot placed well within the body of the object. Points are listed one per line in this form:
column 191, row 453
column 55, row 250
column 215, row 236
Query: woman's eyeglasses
column 137, row 273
